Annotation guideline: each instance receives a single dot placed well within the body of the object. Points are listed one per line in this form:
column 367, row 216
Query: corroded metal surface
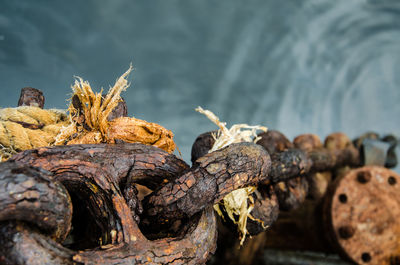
column 362, row 212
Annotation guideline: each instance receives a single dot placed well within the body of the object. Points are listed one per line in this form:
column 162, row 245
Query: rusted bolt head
column 346, row 231
column 343, row 198
column 366, row 257
column 363, row 177
column 392, row 180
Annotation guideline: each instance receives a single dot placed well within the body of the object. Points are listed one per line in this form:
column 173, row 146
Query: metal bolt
column 346, row 231
column 392, row 180
column 366, row 257
column 364, row 177
column 343, row 198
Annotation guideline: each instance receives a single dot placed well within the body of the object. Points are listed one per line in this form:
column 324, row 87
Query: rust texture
column 358, row 210
column 23, row 244
column 294, row 162
column 274, row 141
column 229, row 250
column 291, row 192
column 31, row 97
column 101, row 174
column 217, row 174
column 317, row 181
column 120, row 162
column 300, row 227
column 324, row 159
column 203, row 143
column 361, row 213
column 266, row 209
column 29, row 194
column 289, row 164
column 121, row 110
column 112, row 224
column 336, row 141
column 194, row 248
column 98, row 177
column 307, row 142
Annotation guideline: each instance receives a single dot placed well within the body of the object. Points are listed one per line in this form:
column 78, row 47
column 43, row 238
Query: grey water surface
column 315, row 66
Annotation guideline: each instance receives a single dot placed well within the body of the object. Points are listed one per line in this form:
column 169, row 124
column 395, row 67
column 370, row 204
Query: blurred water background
column 312, row 66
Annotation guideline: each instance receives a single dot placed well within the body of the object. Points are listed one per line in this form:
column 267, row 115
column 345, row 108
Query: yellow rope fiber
column 89, row 125
column 29, row 127
column 239, row 203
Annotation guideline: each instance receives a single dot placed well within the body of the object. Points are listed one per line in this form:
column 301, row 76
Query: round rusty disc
column 363, row 215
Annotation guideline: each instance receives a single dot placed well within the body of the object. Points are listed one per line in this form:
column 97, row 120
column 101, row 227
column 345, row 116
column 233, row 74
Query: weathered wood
column 29, row 194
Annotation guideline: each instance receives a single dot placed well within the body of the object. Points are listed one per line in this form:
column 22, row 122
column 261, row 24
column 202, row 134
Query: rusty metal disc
column 362, row 214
